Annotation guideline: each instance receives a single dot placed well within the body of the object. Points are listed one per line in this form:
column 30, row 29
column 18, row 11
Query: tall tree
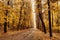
column 40, row 15
column 5, row 23
column 49, row 14
column 20, row 25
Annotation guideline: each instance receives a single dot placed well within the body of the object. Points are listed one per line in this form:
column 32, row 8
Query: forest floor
column 29, row 34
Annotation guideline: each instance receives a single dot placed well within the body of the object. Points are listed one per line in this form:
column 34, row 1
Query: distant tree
column 5, row 27
column 20, row 25
column 5, row 23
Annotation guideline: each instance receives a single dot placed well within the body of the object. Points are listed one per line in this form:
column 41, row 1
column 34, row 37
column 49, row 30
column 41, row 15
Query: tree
column 44, row 28
column 40, row 15
column 20, row 15
column 5, row 23
column 49, row 14
column 5, row 26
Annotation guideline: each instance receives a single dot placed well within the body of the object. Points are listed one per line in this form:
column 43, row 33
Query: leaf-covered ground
column 29, row 34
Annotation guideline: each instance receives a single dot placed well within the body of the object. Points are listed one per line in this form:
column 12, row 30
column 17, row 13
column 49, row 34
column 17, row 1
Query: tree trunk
column 20, row 15
column 40, row 15
column 49, row 14
column 5, row 27
column 44, row 28
column 5, row 23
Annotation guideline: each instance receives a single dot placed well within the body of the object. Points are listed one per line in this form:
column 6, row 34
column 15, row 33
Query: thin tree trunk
column 41, row 18
column 44, row 28
column 5, row 23
column 5, row 26
column 49, row 14
column 20, row 15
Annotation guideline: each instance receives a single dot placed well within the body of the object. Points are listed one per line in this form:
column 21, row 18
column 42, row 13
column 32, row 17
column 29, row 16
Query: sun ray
column 33, row 13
